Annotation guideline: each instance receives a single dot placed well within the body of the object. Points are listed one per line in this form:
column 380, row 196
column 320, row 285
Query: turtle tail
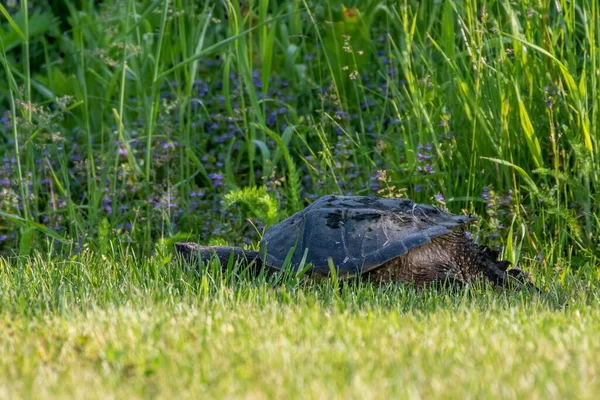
column 192, row 253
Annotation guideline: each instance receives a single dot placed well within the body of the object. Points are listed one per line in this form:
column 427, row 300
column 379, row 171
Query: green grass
column 129, row 125
column 92, row 328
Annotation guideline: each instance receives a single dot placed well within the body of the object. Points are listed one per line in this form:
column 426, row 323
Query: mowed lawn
column 101, row 330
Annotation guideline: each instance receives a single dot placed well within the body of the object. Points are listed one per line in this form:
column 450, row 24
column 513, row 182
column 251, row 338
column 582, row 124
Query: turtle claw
column 503, row 265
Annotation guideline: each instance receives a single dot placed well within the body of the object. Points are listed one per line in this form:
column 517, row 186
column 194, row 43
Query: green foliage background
column 128, row 122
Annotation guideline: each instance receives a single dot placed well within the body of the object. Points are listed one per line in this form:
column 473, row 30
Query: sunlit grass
column 95, row 328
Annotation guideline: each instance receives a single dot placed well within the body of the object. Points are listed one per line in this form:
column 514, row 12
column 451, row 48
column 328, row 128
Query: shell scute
column 358, row 233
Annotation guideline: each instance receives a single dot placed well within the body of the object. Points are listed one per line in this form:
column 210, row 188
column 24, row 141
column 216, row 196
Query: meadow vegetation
column 129, row 125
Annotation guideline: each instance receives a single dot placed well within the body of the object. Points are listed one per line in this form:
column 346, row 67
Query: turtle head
column 187, row 250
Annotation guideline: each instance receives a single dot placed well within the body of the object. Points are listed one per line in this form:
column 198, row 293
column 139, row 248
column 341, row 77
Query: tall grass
column 131, row 125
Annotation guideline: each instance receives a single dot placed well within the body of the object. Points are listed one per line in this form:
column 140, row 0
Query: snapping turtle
column 388, row 240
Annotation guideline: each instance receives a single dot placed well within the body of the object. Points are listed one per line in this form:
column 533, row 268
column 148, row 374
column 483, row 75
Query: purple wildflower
column 508, row 197
column 341, row 114
column 171, row 144
column 485, row 194
column 217, row 179
column 6, row 121
column 107, row 205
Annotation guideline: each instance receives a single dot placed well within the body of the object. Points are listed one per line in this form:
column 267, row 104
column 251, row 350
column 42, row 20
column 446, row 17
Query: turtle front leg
column 520, row 279
column 498, row 273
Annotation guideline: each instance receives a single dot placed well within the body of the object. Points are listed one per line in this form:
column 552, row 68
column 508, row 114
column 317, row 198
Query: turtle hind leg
column 435, row 263
column 454, row 257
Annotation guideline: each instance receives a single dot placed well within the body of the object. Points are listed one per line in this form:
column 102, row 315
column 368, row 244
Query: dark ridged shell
column 358, row 233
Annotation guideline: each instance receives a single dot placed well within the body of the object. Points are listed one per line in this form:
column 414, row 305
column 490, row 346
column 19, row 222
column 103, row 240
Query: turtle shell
column 358, row 233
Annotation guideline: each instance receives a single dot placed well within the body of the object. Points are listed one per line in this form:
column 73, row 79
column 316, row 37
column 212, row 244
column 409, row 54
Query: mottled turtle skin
column 385, row 240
